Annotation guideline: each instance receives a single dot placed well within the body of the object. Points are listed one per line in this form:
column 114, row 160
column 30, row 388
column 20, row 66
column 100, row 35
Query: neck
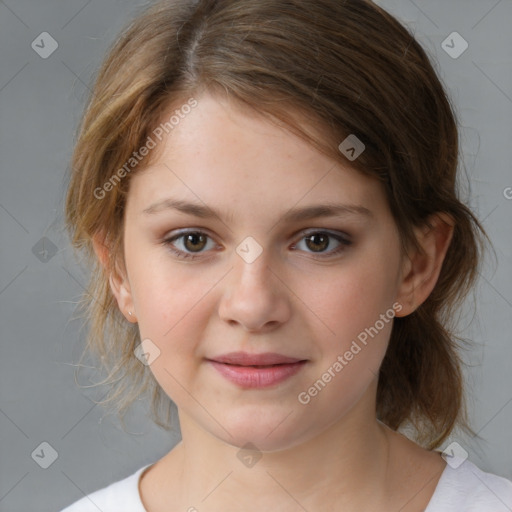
column 346, row 464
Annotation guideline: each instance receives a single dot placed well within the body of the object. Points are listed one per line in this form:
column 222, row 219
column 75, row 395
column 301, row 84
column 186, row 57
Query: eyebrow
column 293, row 215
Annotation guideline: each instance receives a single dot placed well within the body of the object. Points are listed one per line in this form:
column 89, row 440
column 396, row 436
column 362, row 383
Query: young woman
column 268, row 192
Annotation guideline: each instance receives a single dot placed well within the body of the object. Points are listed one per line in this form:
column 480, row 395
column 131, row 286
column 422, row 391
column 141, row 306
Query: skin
column 331, row 453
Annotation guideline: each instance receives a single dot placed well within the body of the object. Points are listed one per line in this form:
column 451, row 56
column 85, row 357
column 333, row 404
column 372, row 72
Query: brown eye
column 317, row 242
column 194, row 241
column 324, row 244
column 189, row 244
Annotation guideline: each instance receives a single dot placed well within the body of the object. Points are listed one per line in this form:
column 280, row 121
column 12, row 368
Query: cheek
column 171, row 312
column 355, row 305
column 160, row 290
column 171, row 300
column 350, row 298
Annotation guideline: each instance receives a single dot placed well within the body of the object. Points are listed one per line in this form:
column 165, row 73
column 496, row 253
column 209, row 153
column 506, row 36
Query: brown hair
column 348, row 68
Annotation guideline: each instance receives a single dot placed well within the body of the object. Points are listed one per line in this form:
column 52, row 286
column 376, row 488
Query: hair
column 323, row 70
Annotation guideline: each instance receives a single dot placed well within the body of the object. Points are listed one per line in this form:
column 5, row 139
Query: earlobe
column 121, row 290
column 118, row 282
column 422, row 268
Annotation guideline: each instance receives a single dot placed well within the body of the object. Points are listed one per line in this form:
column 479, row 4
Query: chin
column 261, row 442
column 266, row 436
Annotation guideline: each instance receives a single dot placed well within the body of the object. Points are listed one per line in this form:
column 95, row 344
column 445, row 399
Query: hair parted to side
column 348, row 68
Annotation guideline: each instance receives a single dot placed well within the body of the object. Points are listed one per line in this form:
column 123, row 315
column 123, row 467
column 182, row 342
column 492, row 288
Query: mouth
column 257, row 365
column 266, row 359
column 263, row 375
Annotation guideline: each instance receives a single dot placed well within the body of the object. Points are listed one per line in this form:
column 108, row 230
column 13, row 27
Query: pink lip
column 246, row 359
column 242, row 368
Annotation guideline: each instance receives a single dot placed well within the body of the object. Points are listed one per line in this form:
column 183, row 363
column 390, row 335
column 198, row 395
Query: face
column 267, row 272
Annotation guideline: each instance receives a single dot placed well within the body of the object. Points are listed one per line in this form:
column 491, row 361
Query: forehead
column 219, row 154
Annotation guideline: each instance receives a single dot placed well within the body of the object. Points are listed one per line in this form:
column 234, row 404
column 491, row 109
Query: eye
column 194, row 241
column 319, row 241
column 191, row 244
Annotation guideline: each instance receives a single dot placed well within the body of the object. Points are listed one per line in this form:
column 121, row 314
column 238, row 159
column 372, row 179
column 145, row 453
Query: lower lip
column 250, row 377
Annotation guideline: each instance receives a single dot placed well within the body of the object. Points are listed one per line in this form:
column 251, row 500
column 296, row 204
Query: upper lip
column 246, row 359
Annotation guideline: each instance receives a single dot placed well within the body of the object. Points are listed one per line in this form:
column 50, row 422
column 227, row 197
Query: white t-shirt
column 464, row 489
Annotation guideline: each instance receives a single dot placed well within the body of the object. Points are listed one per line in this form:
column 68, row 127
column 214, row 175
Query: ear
column 421, row 270
column 118, row 280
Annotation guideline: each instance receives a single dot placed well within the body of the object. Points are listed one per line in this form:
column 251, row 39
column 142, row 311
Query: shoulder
column 120, row 496
column 464, row 486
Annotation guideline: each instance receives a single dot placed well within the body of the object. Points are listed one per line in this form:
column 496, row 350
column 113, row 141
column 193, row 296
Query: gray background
column 41, row 101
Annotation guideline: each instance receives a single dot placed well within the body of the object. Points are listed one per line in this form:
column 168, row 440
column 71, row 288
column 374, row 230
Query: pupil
column 193, row 237
column 313, row 238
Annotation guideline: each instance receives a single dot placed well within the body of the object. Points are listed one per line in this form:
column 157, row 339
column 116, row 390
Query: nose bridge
column 252, row 263
column 252, row 297
column 251, row 255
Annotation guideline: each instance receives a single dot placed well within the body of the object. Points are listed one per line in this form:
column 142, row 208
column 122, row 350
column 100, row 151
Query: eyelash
column 185, row 255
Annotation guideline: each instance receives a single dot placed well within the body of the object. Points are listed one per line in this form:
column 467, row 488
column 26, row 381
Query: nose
column 254, row 296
